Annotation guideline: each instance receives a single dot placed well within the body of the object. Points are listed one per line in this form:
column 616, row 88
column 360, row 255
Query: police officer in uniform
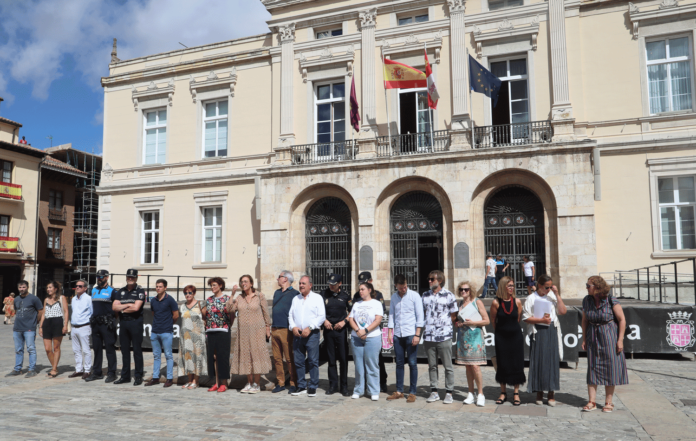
column 103, row 323
column 336, row 302
column 365, row 276
column 129, row 304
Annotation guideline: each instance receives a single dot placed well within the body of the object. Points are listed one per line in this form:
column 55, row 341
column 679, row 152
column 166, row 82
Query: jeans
column 21, row 338
column 489, row 280
column 366, row 358
column 160, row 342
column 402, row 349
column 443, row 349
column 310, row 347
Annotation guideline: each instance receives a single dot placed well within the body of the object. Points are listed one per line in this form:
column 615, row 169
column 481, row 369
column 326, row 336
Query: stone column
column 561, row 108
column 368, row 19
column 461, row 119
column 287, row 64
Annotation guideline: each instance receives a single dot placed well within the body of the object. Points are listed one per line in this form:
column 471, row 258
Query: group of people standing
column 297, row 317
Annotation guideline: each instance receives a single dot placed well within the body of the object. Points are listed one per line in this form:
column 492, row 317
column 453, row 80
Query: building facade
column 238, row 157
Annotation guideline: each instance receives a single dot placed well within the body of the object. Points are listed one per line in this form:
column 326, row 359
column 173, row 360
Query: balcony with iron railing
column 57, row 214
column 324, row 152
column 413, row 143
column 509, row 135
column 56, row 253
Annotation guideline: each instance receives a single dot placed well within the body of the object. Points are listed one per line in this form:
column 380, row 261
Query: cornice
column 506, row 30
column 512, row 14
column 275, row 4
column 666, row 9
column 213, row 80
column 152, row 90
column 327, row 57
column 415, row 29
column 413, row 43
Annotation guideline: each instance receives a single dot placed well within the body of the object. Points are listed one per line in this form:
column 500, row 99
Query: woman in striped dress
column 603, row 327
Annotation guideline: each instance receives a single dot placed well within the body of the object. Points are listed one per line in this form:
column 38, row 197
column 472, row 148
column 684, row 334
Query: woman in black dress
column 506, row 312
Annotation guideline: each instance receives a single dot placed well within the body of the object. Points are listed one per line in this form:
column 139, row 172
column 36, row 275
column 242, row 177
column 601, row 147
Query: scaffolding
column 86, row 214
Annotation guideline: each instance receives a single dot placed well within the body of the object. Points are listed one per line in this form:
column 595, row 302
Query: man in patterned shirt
column 440, row 308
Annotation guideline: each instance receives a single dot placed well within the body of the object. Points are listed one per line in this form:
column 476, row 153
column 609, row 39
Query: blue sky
column 54, row 52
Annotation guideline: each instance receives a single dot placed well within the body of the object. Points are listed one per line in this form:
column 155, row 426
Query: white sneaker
column 375, row 397
column 254, row 389
column 448, row 399
column 355, row 396
column 469, row 398
column 433, row 397
column 481, row 400
column 246, row 389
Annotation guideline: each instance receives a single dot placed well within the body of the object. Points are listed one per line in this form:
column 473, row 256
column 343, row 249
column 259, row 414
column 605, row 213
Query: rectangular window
column 513, row 101
column 215, row 133
column 329, row 33
column 150, row 237
column 6, row 171
column 409, row 19
column 5, row 226
column 669, row 74
column 677, row 199
column 330, row 103
column 55, row 200
column 212, row 234
column 500, row 4
column 414, row 118
column 54, row 239
column 155, row 137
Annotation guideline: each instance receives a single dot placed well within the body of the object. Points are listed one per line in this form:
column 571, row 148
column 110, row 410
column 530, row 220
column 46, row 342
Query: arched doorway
column 514, row 227
column 328, row 242
column 415, row 224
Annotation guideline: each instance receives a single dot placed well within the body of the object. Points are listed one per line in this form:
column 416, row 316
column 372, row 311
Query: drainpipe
column 14, row 134
column 36, row 233
column 597, row 175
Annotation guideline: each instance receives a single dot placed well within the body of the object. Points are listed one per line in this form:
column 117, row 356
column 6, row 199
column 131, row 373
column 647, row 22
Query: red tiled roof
column 22, row 148
column 55, row 163
column 9, row 121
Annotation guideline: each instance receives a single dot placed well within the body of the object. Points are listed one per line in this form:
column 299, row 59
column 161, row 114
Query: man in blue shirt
column 165, row 311
column 28, row 309
column 281, row 337
column 103, row 328
column 406, row 321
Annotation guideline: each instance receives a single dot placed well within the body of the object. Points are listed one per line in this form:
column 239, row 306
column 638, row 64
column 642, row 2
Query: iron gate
column 328, row 242
column 514, row 227
column 414, row 215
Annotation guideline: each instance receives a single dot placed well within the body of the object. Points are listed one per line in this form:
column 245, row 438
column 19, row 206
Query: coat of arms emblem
column 680, row 330
column 398, row 73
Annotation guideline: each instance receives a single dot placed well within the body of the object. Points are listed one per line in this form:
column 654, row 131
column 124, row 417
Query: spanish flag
column 400, row 76
column 9, row 244
column 12, row 191
column 433, row 96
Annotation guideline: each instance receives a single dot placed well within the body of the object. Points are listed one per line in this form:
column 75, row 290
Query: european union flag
column 483, row 81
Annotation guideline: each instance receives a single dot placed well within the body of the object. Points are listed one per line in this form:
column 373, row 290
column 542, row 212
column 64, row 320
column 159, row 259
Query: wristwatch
column 311, row 328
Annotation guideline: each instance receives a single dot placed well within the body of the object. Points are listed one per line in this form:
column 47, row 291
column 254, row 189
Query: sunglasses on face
column 189, row 293
column 464, row 289
column 431, row 279
column 587, row 285
column 79, row 286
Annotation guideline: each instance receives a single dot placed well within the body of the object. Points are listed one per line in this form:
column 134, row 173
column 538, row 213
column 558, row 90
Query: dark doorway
column 328, row 242
column 407, row 113
column 9, row 277
column 416, row 238
column 501, row 111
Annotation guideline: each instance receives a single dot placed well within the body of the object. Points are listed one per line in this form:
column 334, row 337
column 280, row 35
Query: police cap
column 335, row 278
column 364, row 276
column 102, row 273
column 132, row 273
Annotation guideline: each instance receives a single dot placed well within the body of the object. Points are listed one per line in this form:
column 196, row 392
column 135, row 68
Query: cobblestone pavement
column 63, row 408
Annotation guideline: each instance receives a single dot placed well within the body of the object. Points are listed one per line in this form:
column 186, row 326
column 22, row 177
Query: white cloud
column 37, row 36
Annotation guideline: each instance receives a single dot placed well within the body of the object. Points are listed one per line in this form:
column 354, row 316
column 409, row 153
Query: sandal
column 608, row 408
column 185, row 386
column 516, row 402
column 499, row 401
column 590, row 406
column 52, row 375
column 192, row 386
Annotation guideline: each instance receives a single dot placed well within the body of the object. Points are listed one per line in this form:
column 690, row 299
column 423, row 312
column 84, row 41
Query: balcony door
column 415, row 118
column 330, row 123
column 512, row 108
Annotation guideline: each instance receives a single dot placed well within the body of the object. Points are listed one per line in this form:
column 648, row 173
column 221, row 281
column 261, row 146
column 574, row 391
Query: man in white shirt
column 490, row 276
column 529, row 273
column 307, row 314
column 81, row 330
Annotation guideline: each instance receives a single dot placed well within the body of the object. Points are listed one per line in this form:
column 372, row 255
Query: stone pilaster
column 461, row 120
column 367, row 147
column 368, row 19
column 287, row 61
column 561, row 108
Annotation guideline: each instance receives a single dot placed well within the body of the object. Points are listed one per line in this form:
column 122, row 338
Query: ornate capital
column 666, row 4
column 287, row 33
column 456, row 6
column 368, row 18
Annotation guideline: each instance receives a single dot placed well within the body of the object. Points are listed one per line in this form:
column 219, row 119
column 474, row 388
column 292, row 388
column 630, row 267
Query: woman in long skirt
column 471, row 349
column 603, row 328
column 192, row 355
column 546, row 345
column 506, row 312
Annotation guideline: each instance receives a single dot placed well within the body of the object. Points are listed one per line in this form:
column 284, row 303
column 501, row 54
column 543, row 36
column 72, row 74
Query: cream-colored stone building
column 238, row 157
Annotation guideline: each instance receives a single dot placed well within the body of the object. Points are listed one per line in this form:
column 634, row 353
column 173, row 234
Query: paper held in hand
column 541, row 308
column 471, row 313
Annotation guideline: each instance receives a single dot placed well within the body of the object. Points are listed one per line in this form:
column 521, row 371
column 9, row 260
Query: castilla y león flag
column 401, row 76
column 433, row 96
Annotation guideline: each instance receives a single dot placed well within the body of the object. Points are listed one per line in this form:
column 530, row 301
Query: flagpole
column 386, row 103
column 430, row 111
column 471, row 105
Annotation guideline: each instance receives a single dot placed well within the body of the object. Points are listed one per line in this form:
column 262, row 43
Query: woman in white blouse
column 366, row 340
column 540, row 313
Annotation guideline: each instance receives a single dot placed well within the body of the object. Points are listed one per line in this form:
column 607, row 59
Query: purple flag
column 354, row 108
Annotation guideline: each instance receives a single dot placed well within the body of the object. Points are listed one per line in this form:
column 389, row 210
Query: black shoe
column 383, row 388
column 138, row 381
column 277, row 389
column 292, row 389
column 120, row 380
column 345, row 393
column 299, row 391
column 331, row 391
column 311, row 392
column 110, row 378
column 93, row 377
